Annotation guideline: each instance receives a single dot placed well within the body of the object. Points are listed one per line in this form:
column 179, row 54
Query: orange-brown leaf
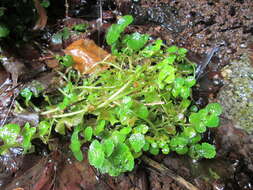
column 87, row 55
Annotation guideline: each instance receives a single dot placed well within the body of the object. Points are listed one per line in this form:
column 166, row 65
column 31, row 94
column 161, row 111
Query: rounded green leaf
column 212, row 120
column 44, row 128
column 166, row 149
column 126, row 130
column 185, row 92
column 141, row 111
column 141, row 129
column 182, row 51
column 189, row 132
column 181, row 150
column 9, row 133
column 214, row 108
column 200, row 128
column 146, row 146
column 75, row 144
column 88, row 132
column 118, row 137
column 190, row 81
column 108, row 147
column 178, row 142
column 100, row 127
column 195, row 139
column 154, row 151
column 207, row 150
column 96, row 154
column 121, row 159
column 27, row 136
column 137, row 141
column 172, row 49
column 136, row 41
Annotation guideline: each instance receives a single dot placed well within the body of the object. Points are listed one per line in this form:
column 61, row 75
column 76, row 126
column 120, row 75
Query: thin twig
column 165, row 171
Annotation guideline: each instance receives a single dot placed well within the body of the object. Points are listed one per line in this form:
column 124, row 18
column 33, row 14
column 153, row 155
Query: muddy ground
column 196, row 25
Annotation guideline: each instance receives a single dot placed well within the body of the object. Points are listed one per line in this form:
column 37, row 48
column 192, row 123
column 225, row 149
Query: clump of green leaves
column 80, row 27
column 4, row 31
column 65, row 60
column 13, row 135
column 45, row 3
column 142, row 103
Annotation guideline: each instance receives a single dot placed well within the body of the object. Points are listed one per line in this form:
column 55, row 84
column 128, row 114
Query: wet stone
column 236, row 97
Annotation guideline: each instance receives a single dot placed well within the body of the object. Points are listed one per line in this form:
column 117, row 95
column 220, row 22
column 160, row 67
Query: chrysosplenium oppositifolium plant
column 141, row 103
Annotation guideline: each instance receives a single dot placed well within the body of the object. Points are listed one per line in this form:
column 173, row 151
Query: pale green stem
column 49, row 111
column 115, row 95
column 69, row 114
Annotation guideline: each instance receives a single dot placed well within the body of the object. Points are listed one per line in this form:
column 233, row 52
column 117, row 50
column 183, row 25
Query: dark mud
column 196, row 25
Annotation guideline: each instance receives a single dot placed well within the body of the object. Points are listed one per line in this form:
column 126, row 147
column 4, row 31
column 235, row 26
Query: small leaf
column 190, row 81
column 127, row 102
column 137, row 141
column 141, row 111
column 122, row 158
column 115, row 30
column 66, row 60
column 88, row 132
column 182, row 51
column 166, row 149
column 172, row 49
column 9, row 133
column 200, row 128
column 108, row 147
column 27, row 136
column 185, row 92
column 96, row 154
column 141, row 129
column 27, row 94
column 214, row 108
column 136, row 41
column 212, row 120
column 154, row 151
column 118, row 137
column 207, row 150
column 146, row 146
column 189, row 132
column 45, row 3
column 75, row 144
column 44, row 128
column 181, row 150
column 178, row 142
column 80, row 27
column 150, row 50
column 100, row 127
column 126, row 130
column 195, row 139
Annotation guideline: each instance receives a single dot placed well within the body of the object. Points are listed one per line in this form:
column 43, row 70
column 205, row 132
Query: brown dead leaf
column 87, row 56
column 42, row 21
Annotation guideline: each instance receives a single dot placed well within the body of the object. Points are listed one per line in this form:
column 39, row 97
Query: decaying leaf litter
column 237, row 174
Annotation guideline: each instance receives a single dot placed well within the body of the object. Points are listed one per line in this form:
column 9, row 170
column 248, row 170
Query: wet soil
column 196, row 25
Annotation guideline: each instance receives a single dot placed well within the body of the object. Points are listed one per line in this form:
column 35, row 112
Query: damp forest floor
column 198, row 26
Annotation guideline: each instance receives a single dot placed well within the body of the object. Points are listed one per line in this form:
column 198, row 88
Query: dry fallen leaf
column 42, row 21
column 87, row 56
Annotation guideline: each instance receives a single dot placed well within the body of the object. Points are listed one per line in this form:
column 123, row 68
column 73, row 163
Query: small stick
column 165, row 171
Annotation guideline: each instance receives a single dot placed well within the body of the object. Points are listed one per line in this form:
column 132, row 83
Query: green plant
column 4, row 31
column 45, row 3
column 142, row 103
column 65, row 60
column 80, row 27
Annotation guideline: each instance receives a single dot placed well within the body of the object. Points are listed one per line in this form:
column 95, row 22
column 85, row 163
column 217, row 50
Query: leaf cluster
column 141, row 103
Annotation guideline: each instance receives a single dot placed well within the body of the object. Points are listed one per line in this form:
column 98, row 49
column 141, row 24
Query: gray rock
column 236, row 96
